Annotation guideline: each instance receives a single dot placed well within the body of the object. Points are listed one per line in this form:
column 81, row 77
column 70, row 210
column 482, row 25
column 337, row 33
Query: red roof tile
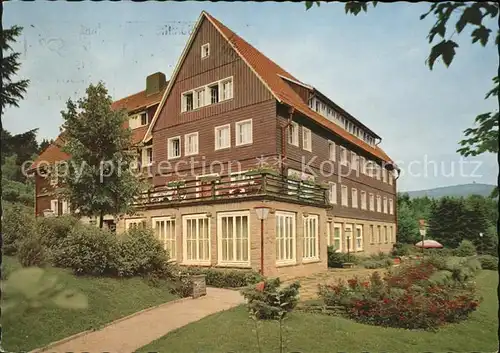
column 269, row 72
column 53, row 153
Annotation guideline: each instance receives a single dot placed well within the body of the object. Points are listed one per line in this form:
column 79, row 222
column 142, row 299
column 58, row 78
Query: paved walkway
column 133, row 333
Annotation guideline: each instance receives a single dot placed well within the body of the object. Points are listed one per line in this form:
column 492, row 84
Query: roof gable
column 272, row 76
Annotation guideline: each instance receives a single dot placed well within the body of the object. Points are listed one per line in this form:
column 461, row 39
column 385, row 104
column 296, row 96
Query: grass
column 231, row 331
column 109, row 299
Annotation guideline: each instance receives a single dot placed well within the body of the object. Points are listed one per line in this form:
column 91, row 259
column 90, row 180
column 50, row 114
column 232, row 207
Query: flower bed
column 420, row 296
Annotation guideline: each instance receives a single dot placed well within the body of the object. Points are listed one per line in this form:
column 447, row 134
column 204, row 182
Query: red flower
column 365, row 284
column 260, row 286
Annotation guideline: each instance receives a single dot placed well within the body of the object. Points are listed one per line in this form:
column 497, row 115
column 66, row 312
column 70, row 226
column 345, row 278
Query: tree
column 97, row 180
column 44, row 144
column 484, row 137
column 407, row 230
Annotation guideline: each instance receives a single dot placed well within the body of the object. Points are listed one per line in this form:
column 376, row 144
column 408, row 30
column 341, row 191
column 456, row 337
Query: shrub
column 488, row 262
column 54, row 230
column 382, row 263
column 139, row 253
column 270, row 302
column 181, row 285
column 18, row 224
column 31, row 252
column 413, row 297
column 222, row 278
column 88, row 250
column 336, row 259
column 466, row 248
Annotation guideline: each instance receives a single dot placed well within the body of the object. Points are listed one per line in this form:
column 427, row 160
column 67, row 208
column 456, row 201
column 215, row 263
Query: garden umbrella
column 429, row 244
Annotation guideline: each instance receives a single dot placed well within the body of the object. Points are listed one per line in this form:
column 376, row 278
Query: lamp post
column 262, row 213
column 348, row 237
column 481, row 242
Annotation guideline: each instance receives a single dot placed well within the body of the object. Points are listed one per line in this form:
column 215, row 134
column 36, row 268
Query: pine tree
column 97, row 180
column 448, row 221
column 407, row 230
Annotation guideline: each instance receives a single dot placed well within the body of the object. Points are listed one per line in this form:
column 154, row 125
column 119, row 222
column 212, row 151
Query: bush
column 382, row 263
column 88, row 250
column 466, row 248
column 336, row 259
column 18, row 224
column 54, row 230
column 139, row 253
column 488, row 262
column 222, row 278
column 269, row 301
column 418, row 296
column 31, row 252
column 181, row 285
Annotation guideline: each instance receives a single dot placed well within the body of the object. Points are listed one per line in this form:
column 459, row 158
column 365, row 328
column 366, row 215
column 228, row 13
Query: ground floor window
column 349, row 237
column 359, row 237
column 337, row 236
column 196, row 239
column 385, row 235
column 372, row 235
column 135, row 223
column 285, row 237
column 310, row 243
column 379, row 236
column 233, row 232
column 164, row 229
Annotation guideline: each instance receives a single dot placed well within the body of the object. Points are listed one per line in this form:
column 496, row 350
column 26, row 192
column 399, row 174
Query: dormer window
column 138, row 120
column 144, row 118
column 205, row 50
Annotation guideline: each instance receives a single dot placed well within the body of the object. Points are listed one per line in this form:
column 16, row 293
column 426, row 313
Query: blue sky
column 372, row 65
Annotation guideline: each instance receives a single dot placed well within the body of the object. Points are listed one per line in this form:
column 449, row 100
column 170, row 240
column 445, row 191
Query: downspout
column 291, row 110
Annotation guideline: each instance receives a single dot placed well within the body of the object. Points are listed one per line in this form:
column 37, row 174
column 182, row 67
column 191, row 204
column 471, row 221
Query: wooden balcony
column 250, row 186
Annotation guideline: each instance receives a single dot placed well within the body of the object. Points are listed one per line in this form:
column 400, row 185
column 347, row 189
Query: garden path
column 131, row 333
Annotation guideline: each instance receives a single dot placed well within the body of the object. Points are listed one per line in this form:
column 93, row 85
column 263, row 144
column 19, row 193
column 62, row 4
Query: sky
column 372, row 65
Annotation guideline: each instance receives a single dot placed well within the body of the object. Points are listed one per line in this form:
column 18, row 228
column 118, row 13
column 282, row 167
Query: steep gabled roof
column 273, row 77
column 135, row 102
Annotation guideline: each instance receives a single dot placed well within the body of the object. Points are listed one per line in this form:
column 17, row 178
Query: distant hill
column 454, row 191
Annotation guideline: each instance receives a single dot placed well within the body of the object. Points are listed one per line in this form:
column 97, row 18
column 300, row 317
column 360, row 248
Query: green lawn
column 109, row 299
column 231, row 331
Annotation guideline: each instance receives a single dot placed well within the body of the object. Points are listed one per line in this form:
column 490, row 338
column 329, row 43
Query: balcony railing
column 233, row 188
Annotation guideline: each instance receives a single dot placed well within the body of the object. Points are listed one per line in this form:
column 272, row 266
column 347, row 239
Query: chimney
column 155, row 83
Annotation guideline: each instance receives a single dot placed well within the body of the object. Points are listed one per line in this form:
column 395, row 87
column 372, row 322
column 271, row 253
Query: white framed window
column 164, row 230
column 384, row 175
column 391, row 206
column 226, row 89
column 187, row 101
column 191, row 144
column 135, row 223
column 354, row 161
column 332, row 196
column 378, row 170
column 293, row 134
column 362, row 164
column 196, row 239
column 349, row 231
column 372, row 235
column 174, row 147
column 138, row 119
column 385, row 235
column 379, row 203
column 359, row 237
column 379, row 235
column 337, row 237
column 363, row 200
column 213, row 93
column 205, row 50
column 331, row 151
column 372, row 202
column 144, row 118
column 244, row 132
column 147, row 156
column 222, row 137
column 233, row 234
column 311, row 239
column 199, row 98
column 390, row 176
column 344, row 196
column 354, row 195
column 306, row 139
column 343, row 155
column 385, row 204
column 285, row 238
column 65, row 207
column 54, row 206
